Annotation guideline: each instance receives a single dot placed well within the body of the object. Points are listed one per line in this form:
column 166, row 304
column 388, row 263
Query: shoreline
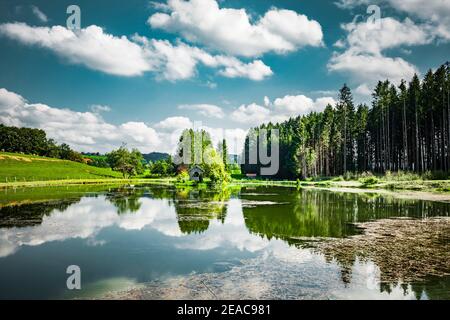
column 75, row 182
column 425, row 193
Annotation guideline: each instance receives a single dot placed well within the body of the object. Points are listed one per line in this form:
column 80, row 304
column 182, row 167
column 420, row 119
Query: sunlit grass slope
column 19, row 167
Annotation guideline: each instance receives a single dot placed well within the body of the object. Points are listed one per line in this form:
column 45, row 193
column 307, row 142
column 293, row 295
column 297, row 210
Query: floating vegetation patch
column 405, row 250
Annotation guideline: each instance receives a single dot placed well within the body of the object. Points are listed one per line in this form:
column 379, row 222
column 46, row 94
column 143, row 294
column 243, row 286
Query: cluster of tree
column 95, row 159
column 196, row 148
column 163, row 167
column 406, row 128
column 129, row 163
column 35, row 142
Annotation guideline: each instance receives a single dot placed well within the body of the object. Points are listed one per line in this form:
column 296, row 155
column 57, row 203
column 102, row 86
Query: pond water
column 160, row 242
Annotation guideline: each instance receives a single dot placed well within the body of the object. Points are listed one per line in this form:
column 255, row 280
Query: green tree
column 126, row 162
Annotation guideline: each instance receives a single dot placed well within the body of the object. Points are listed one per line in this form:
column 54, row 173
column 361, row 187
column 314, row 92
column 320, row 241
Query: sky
column 139, row 72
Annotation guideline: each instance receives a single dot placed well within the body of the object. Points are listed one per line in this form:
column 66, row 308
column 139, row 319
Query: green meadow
column 20, row 168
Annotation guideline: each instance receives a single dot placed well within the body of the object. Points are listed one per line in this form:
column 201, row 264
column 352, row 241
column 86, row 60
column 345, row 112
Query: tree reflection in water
column 195, row 208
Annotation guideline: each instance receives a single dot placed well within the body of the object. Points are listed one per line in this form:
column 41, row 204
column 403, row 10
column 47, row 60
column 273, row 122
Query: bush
column 183, row 176
column 436, row 175
column 401, row 176
column 369, row 181
column 348, row 176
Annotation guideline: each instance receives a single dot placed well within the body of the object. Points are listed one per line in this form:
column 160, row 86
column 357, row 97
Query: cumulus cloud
column 251, row 114
column 255, row 70
column 90, row 47
column 364, row 37
column 174, row 123
column 206, row 110
column 280, row 110
column 174, row 62
column 434, row 13
column 369, row 69
column 119, row 56
column 232, row 30
column 85, row 131
column 363, row 57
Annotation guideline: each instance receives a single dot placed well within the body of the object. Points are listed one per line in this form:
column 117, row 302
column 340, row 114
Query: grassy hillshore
column 18, row 170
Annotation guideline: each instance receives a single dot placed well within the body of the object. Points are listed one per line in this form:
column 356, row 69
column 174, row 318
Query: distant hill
column 155, row 156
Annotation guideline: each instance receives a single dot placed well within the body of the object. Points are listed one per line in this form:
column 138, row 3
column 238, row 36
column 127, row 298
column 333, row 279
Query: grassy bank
column 70, row 182
column 18, row 170
column 392, row 182
column 27, row 168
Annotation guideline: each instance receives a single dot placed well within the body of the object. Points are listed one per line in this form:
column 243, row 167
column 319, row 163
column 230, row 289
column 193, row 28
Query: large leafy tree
column 129, row 163
column 196, row 148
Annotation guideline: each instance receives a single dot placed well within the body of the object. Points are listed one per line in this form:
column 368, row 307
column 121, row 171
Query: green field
column 20, row 168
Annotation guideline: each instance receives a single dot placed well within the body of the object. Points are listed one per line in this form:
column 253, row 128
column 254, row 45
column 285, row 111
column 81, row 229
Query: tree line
column 406, row 128
column 35, row 142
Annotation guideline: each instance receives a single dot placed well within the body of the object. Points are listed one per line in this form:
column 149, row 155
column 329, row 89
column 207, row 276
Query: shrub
column 369, row 181
column 183, row 176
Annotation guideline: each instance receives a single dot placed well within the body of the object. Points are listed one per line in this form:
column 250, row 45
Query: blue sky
column 157, row 67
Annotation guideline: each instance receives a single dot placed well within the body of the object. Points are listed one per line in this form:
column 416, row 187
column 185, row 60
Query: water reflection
column 148, row 233
column 196, row 208
column 308, row 213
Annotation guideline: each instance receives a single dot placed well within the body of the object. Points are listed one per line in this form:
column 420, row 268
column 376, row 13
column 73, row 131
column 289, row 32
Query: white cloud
column 321, row 103
column 87, row 131
column 120, row 56
column 282, row 109
column 84, row 131
column 363, row 90
column 367, row 68
column 97, row 108
column 300, row 104
column 251, row 114
column 174, row 123
column 255, row 70
column 363, row 58
column 350, row 4
column 206, row 110
column 232, row 31
column 90, row 47
column 364, row 37
column 434, row 13
column 174, row 62
column 39, row 14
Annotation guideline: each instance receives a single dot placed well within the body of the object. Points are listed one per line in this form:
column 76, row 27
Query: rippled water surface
column 164, row 243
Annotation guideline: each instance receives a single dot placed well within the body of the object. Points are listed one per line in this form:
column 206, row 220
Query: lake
column 160, row 242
